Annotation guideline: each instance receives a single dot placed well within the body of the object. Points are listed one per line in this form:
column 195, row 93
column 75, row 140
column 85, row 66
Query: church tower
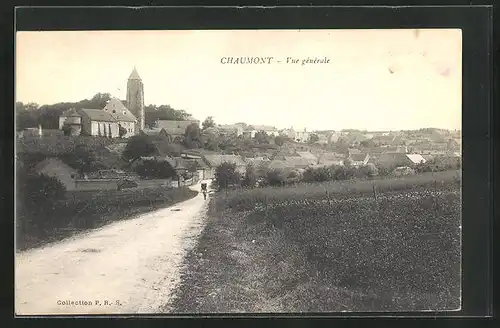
column 135, row 98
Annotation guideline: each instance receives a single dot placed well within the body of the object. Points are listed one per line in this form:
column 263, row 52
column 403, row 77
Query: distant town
column 191, row 146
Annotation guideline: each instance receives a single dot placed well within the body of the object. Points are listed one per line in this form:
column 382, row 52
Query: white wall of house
column 289, row 133
column 70, row 120
column 303, row 136
column 273, row 133
column 104, row 127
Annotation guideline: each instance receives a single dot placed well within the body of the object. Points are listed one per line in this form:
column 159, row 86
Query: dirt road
column 130, row 266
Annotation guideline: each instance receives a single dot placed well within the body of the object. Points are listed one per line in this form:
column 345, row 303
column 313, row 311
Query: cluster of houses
column 201, row 164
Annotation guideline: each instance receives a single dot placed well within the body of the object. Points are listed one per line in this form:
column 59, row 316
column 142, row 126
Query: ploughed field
column 329, row 247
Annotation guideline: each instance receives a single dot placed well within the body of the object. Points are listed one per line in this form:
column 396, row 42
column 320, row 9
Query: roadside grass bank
column 85, row 210
column 319, row 252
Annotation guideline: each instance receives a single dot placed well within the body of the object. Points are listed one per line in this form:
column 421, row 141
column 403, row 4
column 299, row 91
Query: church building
column 115, row 116
column 135, row 98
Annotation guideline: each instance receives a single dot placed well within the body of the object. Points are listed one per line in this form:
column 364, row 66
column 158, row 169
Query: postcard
column 238, row 171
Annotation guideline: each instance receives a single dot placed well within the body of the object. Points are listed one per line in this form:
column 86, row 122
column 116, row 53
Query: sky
column 374, row 80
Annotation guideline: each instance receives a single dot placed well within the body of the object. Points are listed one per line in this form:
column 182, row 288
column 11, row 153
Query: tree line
column 30, row 115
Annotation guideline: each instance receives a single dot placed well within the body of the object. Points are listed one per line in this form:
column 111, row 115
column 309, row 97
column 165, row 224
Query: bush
column 275, row 177
column 139, row 146
column 369, row 170
column 121, row 131
column 440, row 163
column 37, row 196
column 154, row 169
column 319, row 174
column 251, row 176
column 83, row 158
column 294, row 177
column 226, row 175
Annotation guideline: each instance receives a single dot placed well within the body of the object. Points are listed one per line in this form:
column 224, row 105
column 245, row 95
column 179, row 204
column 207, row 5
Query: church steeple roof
column 134, row 75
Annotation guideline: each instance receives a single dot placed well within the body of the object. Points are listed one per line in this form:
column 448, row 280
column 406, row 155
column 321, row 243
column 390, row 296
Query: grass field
column 329, row 247
column 84, row 210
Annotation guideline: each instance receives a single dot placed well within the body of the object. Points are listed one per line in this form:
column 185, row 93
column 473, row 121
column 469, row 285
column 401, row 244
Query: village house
column 331, row 158
column 288, row 133
column 399, row 159
column 257, row 161
column 351, row 151
column 54, row 167
column 183, row 165
column 383, row 139
column 104, row 122
column 354, row 139
column 302, row 136
column 231, row 130
column 395, row 149
column 270, row 130
column 175, row 128
column 155, row 132
column 122, row 116
column 73, row 120
column 299, row 136
column 250, row 131
column 96, row 122
column 308, row 156
column 359, row 159
column 298, row 162
column 322, row 139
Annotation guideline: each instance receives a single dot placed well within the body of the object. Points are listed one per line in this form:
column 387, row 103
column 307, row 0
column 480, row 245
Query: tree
column 121, row 131
column 261, row 137
column 313, row 138
column 369, row 170
column 84, row 159
column 98, row 101
column 37, row 196
column 367, row 143
column 275, row 177
column 31, row 106
column 318, row 174
column 208, row 123
column 251, row 176
column 154, row 113
column 226, row 175
column 192, row 166
column 154, row 169
column 347, row 162
column 279, row 141
column 139, row 146
column 192, row 136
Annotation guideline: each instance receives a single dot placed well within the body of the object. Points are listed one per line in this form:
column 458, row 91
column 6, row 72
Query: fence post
column 374, row 193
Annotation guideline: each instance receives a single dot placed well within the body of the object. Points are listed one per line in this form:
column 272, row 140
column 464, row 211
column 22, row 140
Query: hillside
column 32, row 150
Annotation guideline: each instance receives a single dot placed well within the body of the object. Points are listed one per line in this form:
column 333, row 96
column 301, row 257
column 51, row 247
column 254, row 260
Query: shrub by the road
column 154, row 169
column 37, row 197
column 226, row 175
column 251, row 176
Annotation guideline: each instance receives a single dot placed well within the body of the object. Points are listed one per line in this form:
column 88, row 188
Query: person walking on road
column 204, row 190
